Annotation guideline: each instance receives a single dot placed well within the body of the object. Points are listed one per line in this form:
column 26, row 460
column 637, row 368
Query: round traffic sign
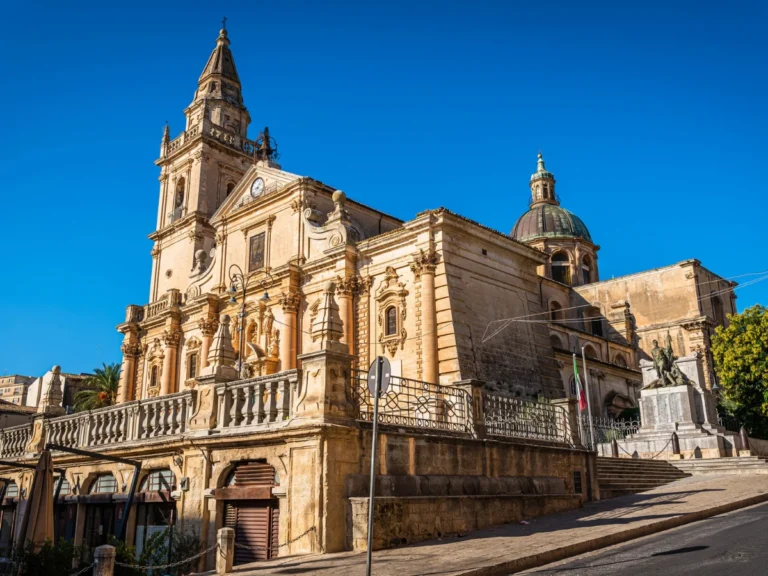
column 384, row 372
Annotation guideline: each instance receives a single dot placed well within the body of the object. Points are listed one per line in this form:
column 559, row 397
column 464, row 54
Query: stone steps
column 622, row 476
column 736, row 465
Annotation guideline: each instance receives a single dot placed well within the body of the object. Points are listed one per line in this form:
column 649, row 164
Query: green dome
column 549, row 221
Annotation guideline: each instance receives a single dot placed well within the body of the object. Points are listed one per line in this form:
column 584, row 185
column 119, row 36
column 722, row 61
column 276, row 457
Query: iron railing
column 414, row 404
column 606, row 429
column 729, row 422
column 517, row 418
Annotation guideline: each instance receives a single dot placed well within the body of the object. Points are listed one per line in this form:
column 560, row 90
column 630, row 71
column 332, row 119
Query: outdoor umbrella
column 37, row 525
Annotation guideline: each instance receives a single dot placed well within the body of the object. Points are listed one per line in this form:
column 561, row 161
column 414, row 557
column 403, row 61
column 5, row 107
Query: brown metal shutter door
column 252, row 530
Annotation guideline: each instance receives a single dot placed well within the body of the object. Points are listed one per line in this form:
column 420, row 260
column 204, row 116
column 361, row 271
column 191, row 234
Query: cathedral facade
column 271, row 293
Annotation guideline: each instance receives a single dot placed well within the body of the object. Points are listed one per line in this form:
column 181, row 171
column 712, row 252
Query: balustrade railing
column 14, row 440
column 414, row 404
column 513, row 417
column 136, row 420
column 258, row 401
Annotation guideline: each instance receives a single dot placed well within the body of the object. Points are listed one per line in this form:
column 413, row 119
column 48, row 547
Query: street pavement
column 735, row 544
column 502, row 550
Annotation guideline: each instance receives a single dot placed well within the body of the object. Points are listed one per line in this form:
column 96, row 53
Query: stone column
column 290, row 303
column 424, row 266
column 345, row 290
column 171, row 340
column 208, row 328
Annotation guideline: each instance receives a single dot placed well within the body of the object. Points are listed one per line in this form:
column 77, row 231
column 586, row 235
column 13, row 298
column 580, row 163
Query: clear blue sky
column 650, row 114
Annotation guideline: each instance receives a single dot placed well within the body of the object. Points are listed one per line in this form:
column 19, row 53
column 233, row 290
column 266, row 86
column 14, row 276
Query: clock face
column 257, row 187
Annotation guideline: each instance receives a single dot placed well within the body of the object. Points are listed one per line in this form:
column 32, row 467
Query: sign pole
column 371, row 493
column 589, row 404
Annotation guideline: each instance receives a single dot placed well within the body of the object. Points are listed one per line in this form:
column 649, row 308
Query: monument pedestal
column 688, row 410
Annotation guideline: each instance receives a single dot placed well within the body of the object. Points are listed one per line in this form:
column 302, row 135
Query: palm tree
column 100, row 389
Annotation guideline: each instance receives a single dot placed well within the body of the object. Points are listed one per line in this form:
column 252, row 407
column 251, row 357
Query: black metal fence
column 516, row 418
column 605, row 430
column 414, row 404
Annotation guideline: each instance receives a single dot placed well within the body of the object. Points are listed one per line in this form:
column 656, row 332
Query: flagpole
column 578, row 397
column 586, row 393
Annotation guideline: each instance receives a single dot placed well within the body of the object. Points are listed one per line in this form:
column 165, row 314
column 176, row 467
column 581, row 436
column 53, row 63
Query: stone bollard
column 226, row 552
column 744, row 436
column 104, row 561
column 675, row 447
column 614, row 448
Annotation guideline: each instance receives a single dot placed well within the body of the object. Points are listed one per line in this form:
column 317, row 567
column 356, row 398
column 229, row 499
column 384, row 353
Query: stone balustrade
column 137, row 420
column 14, row 440
column 257, row 401
column 171, row 298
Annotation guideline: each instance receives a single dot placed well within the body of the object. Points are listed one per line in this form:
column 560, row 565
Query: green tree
column 100, row 389
column 741, row 362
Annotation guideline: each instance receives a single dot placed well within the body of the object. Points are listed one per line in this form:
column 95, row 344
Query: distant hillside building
column 13, row 388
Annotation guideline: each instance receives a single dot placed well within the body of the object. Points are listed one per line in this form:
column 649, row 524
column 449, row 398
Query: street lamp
column 238, row 278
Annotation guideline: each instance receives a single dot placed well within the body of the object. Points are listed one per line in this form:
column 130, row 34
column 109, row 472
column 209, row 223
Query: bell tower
column 199, row 168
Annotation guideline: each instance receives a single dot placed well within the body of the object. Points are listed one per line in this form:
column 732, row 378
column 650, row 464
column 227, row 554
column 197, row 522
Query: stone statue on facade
column 667, row 372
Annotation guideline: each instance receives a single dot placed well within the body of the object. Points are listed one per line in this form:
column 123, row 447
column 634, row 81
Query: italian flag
column 579, row 389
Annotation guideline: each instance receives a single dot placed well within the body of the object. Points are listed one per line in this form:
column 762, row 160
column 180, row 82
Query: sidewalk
column 514, row 547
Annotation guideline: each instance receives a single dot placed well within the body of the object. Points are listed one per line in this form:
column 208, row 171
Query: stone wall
column 400, row 521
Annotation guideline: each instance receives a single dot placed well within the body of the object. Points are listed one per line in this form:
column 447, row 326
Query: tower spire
column 543, row 184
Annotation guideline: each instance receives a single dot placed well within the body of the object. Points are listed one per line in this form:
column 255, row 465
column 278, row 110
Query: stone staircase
column 736, row 465
column 622, row 476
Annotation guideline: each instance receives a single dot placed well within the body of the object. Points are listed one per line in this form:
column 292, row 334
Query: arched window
column 163, row 479
column 153, row 377
column 104, row 484
column 590, row 352
column 555, row 311
column 717, row 311
column 391, row 317
column 561, row 268
column 230, row 187
column 178, row 199
column 65, row 487
column 586, row 270
column 12, row 490
column 619, row 360
column 546, row 191
column 556, row 342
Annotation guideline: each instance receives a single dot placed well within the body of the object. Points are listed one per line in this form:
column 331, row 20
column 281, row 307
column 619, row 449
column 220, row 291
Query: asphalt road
column 734, row 544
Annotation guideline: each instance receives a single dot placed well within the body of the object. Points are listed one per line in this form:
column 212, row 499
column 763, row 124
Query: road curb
column 536, row 560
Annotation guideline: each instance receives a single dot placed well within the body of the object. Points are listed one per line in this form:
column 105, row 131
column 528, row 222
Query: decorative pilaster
column 131, row 349
column 424, row 266
column 171, row 338
column 290, row 304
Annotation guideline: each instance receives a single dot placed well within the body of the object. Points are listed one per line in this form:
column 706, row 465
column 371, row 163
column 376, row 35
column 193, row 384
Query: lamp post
column 238, row 278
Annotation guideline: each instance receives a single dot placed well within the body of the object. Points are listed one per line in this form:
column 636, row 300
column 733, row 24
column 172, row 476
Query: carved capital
column 290, row 301
column 425, row 262
column 155, row 252
column 131, row 349
column 208, row 326
column 171, row 337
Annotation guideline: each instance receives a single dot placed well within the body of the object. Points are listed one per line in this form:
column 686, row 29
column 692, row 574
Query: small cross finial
column 224, row 23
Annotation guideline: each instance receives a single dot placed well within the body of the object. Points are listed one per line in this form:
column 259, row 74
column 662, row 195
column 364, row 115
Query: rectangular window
column 577, row 489
column 256, row 253
column 192, row 369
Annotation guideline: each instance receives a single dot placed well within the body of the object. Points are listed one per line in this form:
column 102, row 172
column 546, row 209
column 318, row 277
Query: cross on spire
column 224, row 23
